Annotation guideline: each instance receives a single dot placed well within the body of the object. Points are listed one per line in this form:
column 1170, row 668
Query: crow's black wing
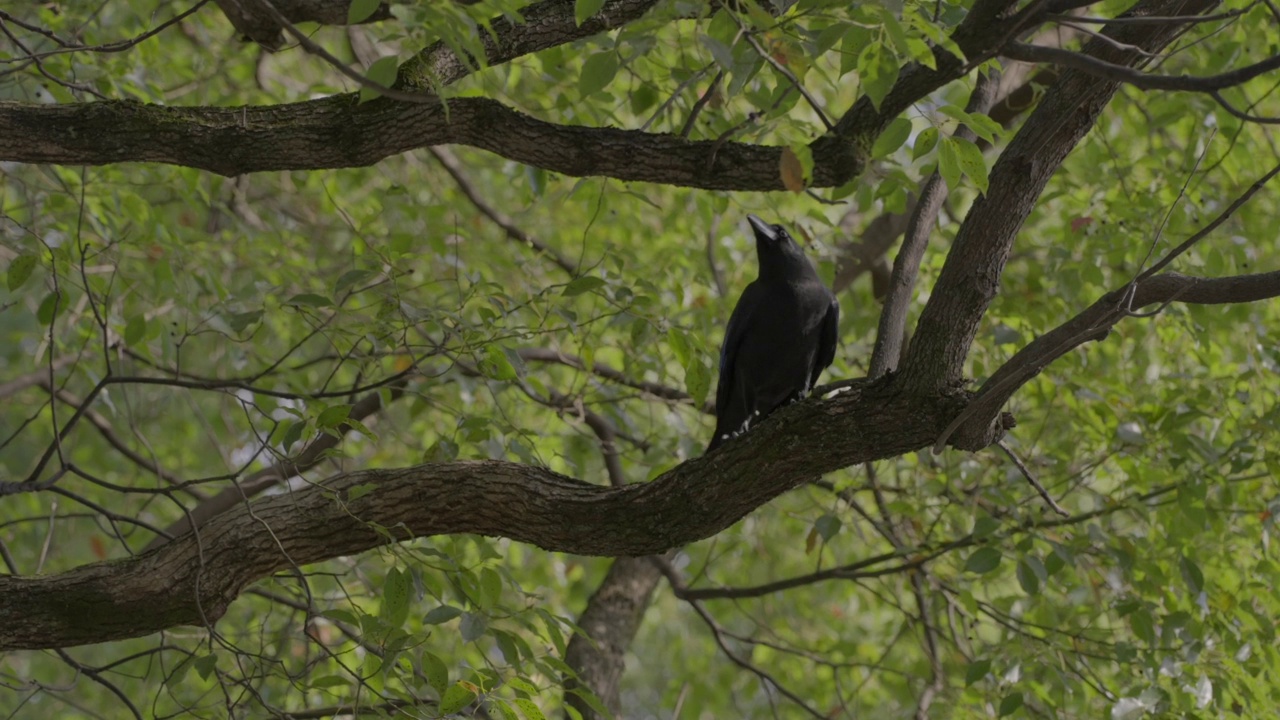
column 739, row 323
column 828, row 338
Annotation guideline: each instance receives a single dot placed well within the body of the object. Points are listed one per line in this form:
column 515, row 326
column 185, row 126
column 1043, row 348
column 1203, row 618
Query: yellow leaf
column 792, row 171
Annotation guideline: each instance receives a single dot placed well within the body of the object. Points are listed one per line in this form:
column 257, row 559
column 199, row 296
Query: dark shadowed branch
column 924, row 214
column 196, row 576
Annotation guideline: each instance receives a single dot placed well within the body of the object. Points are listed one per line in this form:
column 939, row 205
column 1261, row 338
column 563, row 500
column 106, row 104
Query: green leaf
column 175, row 678
column 442, row 450
column 358, row 491
column 333, row 416
column 397, row 591
column 892, row 138
column 827, row 526
column 976, row 671
column 1027, row 578
column 292, row 435
column 1191, row 575
column 925, row 142
column 504, row 708
column 361, row 10
column 584, row 9
column 878, row 71
column 597, row 72
column 48, row 308
column 497, row 365
column 382, row 72
column 472, row 626
column 239, row 322
column 490, row 587
column 135, row 330
column 983, row 561
column 592, row 700
column 1010, row 704
column 351, row 278
column 523, row 686
column 1144, row 625
column 343, row 616
column 205, row 666
column 581, row 285
column 949, row 163
column 679, row 345
column 455, row 698
column 972, row 163
column 697, row 380
column 436, row 672
column 528, row 709
column 309, row 300
column 329, row 681
column 20, row 269
column 442, row 614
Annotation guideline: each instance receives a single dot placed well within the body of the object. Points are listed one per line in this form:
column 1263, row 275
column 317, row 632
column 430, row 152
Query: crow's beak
column 763, row 230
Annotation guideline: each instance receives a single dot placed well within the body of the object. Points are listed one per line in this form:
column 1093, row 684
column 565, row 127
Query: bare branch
column 451, row 165
column 665, row 392
column 1026, row 473
column 1130, row 76
column 1095, row 323
column 269, row 477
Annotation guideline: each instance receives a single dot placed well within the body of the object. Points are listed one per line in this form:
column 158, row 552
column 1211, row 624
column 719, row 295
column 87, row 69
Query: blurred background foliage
column 301, row 292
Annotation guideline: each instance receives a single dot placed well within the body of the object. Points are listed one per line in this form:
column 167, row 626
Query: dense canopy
column 356, row 359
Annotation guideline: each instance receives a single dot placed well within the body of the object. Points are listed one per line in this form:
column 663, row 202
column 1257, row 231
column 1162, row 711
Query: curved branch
column 256, row 20
column 1095, row 323
column 194, row 578
column 1120, row 73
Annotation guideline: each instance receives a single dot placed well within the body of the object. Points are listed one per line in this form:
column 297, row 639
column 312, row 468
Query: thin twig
column 1026, row 473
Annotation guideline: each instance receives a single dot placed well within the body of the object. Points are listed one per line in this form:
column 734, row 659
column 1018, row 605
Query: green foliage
column 303, row 292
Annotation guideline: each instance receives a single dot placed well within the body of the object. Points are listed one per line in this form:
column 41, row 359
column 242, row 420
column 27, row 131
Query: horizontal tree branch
column 1131, row 76
column 544, row 24
column 337, row 132
column 253, row 20
column 192, row 579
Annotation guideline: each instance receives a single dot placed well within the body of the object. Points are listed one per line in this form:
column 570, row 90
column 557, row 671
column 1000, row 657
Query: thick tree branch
column 192, row 579
column 610, row 622
column 337, row 132
column 924, row 214
column 257, row 23
column 545, row 24
column 970, row 278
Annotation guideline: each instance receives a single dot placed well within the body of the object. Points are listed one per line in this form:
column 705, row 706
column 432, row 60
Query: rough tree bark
column 193, row 579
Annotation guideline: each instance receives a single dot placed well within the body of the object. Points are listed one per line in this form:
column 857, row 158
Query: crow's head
column 776, row 249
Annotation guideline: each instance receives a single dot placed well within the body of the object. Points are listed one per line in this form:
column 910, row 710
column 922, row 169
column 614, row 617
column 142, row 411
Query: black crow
column 781, row 336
